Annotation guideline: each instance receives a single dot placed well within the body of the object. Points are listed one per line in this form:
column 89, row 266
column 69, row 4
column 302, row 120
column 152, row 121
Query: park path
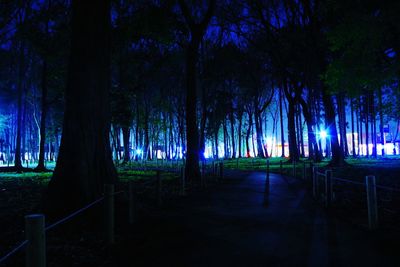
column 228, row 225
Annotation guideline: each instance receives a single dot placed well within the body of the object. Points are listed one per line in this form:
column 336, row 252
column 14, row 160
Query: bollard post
column 372, row 202
column 314, row 179
column 311, row 171
column 159, row 188
column 294, row 168
column 132, row 202
column 35, row 234
column 237, row 163
column 221, row 170
column 182, row 191
column 328, row 188
column 109, row 212
column 304, row 171
column 267, row 186
column 280, row 167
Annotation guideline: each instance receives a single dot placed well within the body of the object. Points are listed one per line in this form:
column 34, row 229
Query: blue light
column 323, row 134
column 139, row 151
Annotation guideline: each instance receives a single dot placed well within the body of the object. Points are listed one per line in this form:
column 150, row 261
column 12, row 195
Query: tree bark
column 85, row 164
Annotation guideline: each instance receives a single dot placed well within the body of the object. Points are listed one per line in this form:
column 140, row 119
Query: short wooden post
column 132, row 202
column 372, row 202
column 267, row 186
column 203, row 174
column 109, row 212
column 314, row 179
column 328, row 188
column 304, row 171
column 221, row 170
column 159, row 188
column 237, row 163
column 280, row 167
column 311, row 171
column 183, row 189
column 294, row 168
column 35, row 234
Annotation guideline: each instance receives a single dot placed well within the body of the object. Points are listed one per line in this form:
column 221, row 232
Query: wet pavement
column 230, row 225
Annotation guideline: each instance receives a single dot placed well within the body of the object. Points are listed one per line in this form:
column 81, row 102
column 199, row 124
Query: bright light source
column 139, row 151
column 323, row 134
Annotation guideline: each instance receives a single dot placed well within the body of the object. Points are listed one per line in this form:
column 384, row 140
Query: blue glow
column 323, row 134
column 139, row 151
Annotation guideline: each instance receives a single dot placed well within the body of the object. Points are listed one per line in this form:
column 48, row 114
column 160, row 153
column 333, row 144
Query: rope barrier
column 348, row 181
column 13, row 251
column 388, row 188
column 73, row 214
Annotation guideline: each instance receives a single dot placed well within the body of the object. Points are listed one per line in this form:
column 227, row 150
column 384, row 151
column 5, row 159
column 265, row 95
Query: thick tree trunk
column 192, row 169
column 84, row 164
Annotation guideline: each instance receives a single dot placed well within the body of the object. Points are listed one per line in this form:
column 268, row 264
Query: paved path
column 229, row 226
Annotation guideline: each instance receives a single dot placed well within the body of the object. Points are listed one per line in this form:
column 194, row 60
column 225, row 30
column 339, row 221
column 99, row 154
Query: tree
column 197, row 31
column 84, row 164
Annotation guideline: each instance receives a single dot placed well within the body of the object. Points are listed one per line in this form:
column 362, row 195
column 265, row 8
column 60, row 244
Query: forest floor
column 191, row 231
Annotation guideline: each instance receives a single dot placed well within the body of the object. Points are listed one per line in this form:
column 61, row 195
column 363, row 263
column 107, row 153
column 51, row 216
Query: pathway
column 229, row 226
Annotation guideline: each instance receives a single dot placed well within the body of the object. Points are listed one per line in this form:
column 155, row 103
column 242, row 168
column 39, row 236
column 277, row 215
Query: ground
column 226, row 223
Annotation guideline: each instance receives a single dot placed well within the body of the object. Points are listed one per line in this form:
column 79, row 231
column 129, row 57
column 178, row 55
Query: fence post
column 304, row 171
column 311, row 171
column 182, row 192
column 280, row 167
column 109, row 212
column 314, row 178
column 237, row 163
column 132, row 202
column 267, row 185
column 35, row 234
column 221, row 170
column 159, row 188
column 372, row 202
column 328, row 188
column 294, row 168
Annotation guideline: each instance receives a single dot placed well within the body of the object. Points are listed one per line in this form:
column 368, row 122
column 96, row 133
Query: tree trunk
column 40, row 166
column 281, row 120
column 84, row 164
column 232, row 121
column 337, row 152
column 125, row 136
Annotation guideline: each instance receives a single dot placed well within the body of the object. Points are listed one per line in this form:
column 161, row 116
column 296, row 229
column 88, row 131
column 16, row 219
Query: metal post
column 372, row 202
column 132, row 202
column 311, row 171
column 35, row 234
column 328, row 188
column 221, row 170
column 237, row 163
column 280, row 167
column 304, row 171
column 109, row 212
column 159, row 189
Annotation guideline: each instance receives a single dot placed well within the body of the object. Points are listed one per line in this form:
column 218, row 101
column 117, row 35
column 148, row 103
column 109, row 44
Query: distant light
column 139, row 152
column 323, row 134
